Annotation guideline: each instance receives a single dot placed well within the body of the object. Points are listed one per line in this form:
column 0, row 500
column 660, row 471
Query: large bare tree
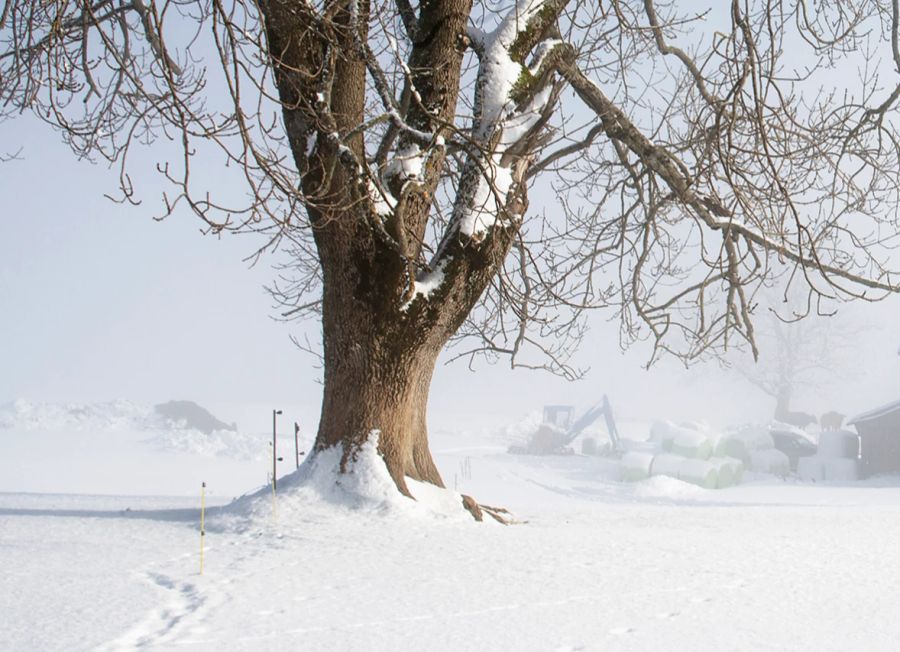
column 800, row 351
column 678, row 158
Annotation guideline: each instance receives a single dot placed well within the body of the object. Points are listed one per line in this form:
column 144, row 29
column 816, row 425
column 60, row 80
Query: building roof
column 876, row 413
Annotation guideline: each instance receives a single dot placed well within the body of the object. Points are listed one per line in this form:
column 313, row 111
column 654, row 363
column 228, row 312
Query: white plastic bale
column 692, row 444
column 636, row 466
column 685, row 439
column 841, row 470
column 810, row 469
column 741, row 443
column 666, row 464
column 662, row 433
column 770, row 461
column 729, row 469
column 659, row 431
column 699, row 472
column 838, row 444
column 734, row 448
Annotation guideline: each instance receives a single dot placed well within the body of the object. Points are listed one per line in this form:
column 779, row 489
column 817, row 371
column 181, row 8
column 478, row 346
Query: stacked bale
column 681, row 440
column 699, row 472
column 740, row 444
column 770, row 460
column 838, row 444
column 811, row 469
column 730, row 471
column 686, row 453
column 636, row 466
column 666, row 464
column 841, row 470
column 692, row 444
column 836, row 460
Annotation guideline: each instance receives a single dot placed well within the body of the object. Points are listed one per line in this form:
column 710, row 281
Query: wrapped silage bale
column 841, row 470
column 838, row 444
column 733, row 447
column 661, row 433
column 681, row 440
column 739, row 444
column 636, row 466
column 699, row 472
column 737, row 469
column 699, row 426
column 730, row 471
column 770, row 461
column 666, row 464
column 692, row 444
column 811, row 469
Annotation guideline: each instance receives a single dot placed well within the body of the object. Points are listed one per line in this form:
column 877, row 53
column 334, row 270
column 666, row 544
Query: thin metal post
column 275, row 413
column 296, row 443
column 202, row 524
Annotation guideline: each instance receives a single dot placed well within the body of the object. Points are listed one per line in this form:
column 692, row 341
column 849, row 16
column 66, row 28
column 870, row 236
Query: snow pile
column 319, row 487
column 218, row 443
column 110, row 415
column 780, row 426
column 663, row 486
column 520, row 432
column 126, row 419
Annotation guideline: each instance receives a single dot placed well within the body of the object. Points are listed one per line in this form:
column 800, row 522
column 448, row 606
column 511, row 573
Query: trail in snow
column 598, row 565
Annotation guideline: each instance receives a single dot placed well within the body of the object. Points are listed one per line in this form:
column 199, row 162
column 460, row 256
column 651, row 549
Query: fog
column 99, row 301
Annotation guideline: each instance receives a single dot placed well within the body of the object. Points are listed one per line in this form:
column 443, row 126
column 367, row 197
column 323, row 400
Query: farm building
column 879, row 434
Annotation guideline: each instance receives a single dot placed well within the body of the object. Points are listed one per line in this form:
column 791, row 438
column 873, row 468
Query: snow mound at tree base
column 320, row 490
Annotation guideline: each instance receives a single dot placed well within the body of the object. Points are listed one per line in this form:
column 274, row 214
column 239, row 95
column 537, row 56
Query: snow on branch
column 510, row 100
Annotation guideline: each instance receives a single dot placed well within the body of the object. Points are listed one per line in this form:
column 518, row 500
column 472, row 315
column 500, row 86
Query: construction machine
column 558, row 430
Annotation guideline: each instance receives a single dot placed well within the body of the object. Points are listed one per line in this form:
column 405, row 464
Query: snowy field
column 594, row 564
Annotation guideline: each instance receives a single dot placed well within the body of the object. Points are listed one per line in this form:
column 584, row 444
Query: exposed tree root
column 478, row 511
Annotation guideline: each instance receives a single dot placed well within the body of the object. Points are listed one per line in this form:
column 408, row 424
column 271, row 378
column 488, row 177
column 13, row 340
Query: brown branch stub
column 478, row 511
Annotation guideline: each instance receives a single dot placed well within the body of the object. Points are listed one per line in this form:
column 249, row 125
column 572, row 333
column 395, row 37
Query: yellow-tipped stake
column 202, row 524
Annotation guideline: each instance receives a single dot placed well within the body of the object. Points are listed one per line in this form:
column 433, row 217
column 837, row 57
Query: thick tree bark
column 376, row 386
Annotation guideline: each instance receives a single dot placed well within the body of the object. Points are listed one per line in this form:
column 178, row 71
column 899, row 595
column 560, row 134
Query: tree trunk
column 380, row 339
column 379, row 356
column 783, row 402
column 372, row 386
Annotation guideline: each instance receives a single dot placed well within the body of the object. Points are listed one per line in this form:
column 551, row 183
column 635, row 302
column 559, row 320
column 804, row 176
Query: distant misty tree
column 679, row 157
column 800, row 352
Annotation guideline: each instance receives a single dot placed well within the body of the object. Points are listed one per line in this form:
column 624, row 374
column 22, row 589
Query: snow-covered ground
column 594, row 564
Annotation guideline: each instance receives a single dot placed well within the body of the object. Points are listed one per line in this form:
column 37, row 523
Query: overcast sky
column 98, row 301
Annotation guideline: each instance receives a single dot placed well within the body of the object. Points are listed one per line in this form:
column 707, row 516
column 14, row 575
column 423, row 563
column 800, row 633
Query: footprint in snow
column 621, row 631
column 665, row 615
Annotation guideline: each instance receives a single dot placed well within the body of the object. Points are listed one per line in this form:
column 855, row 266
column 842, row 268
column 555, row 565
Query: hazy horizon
column 102, row 302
